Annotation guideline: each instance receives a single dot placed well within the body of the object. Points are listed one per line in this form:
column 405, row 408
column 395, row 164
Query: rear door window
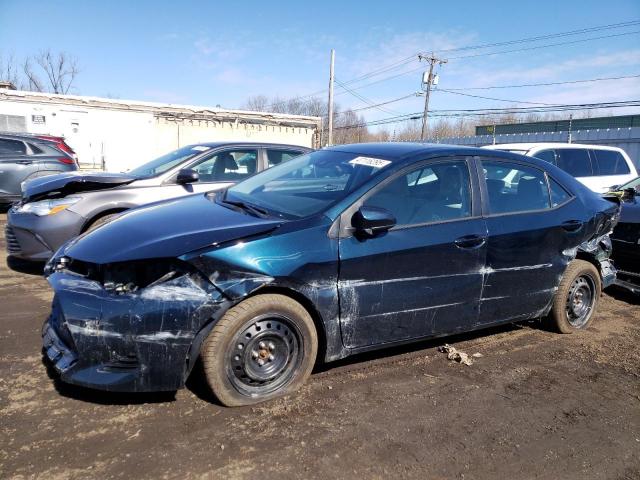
column 515, row 188
column 575, row 161
column 610, row 162
column 12, row 147
column 276, row 157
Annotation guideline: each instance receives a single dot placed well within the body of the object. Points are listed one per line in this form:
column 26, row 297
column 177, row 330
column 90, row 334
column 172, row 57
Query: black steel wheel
column 576, row 298
column 262, row 348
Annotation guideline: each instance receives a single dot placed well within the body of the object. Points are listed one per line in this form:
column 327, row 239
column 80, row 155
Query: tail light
column 60, row 143
column 67, row 160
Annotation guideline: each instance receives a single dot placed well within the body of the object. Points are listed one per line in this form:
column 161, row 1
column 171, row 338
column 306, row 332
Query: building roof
column 162, row 109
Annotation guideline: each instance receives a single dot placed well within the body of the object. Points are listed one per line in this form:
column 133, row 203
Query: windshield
column 632, row 184
column 308, row 184
column 168, row 161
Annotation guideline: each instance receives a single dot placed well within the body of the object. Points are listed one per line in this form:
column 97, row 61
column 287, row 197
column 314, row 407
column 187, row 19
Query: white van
column 598, row 167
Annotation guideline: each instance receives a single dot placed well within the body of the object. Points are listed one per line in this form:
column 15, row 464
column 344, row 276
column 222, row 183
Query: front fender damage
column 127, row 335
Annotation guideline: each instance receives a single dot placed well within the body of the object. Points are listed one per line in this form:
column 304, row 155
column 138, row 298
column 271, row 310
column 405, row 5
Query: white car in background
column 598, row 167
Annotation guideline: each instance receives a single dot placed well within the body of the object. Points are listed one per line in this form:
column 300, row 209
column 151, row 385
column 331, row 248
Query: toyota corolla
column 338, row 251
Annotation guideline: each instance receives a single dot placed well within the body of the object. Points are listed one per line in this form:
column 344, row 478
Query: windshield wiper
column 256, row 211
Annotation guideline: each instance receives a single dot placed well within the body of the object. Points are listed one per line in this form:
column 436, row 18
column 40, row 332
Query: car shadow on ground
column 624, row 295
column 426, row 344
column 102, row 397
column 197, row 384
column 23, row 266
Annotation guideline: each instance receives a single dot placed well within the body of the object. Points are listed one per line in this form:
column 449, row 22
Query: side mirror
column 372, row 221
column 187, row 175
column 629, row 193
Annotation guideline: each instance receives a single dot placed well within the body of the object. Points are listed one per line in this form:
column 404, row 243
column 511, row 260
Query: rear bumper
column 34, row 238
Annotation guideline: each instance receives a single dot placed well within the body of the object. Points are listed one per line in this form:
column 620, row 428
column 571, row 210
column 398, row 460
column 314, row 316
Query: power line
column 491, row 98
column 545, row 37
column 384, row 79
column 406, row 60
column 545, row 46
column 383, row 103
column 496, row 111
column 546, row 83
column 364, row 99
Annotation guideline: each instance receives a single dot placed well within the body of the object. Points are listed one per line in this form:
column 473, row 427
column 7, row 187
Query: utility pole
column 432, row 59
column 330, row 108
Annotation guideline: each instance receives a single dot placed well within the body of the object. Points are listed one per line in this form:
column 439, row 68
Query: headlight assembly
column 47, row 207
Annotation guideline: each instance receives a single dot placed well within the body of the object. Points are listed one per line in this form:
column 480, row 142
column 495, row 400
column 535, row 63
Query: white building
column 116, row 135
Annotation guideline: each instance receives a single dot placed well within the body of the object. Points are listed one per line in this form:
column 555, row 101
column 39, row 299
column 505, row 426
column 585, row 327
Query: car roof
column 401, row 151
column 532, row 145
column 246, row 144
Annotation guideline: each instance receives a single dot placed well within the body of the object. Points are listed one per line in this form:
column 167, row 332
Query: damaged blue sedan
column 342, row 250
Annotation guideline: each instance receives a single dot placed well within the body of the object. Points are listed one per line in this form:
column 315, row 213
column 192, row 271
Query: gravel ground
column 535, row 405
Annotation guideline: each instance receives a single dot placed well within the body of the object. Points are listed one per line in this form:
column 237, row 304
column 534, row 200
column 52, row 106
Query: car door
column 530, row 228
column 15, row 165
column 423, row 276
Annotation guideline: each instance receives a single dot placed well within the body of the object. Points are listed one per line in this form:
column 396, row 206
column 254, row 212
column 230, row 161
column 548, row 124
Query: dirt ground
column 535, row 405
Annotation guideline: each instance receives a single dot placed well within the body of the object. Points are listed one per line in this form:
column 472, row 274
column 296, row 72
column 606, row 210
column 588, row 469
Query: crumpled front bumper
column 141, row 341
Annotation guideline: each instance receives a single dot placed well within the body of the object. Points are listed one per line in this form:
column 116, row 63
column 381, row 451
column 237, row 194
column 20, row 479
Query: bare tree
column 59, row 69
column 9, row 70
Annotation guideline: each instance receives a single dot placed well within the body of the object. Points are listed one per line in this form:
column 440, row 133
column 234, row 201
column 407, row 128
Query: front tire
column 577, row 298
column 101, row 221
column 262, row 348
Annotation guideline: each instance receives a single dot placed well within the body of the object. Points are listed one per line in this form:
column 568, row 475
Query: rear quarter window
column 558, row 194
column 610, row 162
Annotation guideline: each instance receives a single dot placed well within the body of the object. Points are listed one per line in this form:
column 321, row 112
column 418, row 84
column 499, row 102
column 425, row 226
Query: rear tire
column 576, row 299
column 262, row 348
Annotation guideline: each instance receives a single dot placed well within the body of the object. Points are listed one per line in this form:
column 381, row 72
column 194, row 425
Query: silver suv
column 25, row 156
column 57, row 208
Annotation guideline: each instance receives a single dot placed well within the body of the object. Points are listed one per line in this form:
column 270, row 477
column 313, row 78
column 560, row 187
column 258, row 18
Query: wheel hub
column 580, row 301
column 264, row 354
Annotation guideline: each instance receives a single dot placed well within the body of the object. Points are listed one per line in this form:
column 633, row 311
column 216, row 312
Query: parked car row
column 57, row 208
column 24, row 157
column 598, row 167
column 331, row 253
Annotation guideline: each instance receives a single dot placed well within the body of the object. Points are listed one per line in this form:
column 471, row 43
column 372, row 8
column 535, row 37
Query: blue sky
column 209, row 53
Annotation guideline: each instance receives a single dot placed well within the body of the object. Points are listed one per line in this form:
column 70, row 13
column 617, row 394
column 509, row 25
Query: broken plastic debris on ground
column 458, row 356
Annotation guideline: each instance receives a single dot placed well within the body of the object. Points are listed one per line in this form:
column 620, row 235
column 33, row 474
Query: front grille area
column 13, row 246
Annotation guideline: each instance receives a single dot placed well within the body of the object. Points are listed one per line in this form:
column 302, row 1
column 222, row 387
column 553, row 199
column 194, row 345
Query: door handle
column 572, row 225
column 470, row 241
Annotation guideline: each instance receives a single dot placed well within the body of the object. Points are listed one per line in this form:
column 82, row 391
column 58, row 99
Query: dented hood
column 63, row 184
column 166, row 229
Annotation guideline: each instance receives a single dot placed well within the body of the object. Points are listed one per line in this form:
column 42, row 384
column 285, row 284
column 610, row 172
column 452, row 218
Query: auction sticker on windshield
column 370, row 162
